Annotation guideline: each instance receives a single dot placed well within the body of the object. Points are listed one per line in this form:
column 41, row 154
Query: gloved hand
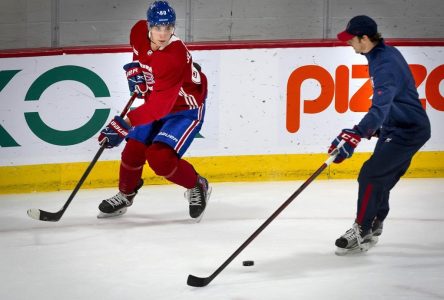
column 136, row 79
column 351, row 138
column 113, row 134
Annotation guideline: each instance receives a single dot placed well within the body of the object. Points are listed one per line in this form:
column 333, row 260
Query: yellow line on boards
column 54, row 177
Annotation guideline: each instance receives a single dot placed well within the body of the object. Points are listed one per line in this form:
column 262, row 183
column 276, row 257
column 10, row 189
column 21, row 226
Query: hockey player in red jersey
column 160, row 130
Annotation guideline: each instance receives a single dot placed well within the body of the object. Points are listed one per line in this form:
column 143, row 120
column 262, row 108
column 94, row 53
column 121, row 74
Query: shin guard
column 131, row 166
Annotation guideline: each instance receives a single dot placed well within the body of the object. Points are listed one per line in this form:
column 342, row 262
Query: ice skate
column 198, row 198
column 377, row 227
column 354, row 241
column 117, row 205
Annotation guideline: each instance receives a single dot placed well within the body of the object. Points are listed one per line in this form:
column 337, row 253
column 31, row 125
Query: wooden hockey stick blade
column 42, row 215
column 198, row 281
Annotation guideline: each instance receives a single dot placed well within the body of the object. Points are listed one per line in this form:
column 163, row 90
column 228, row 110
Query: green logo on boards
column 37, row 124
column 6, row 140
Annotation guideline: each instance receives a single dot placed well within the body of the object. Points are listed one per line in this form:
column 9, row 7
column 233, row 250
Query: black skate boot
column 116, row 205
column 377, row 227
column 353, row 241
column 198, row 198
column 376, row 231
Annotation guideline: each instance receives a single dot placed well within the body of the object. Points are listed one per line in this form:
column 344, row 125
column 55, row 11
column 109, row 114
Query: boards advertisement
column 267, row 101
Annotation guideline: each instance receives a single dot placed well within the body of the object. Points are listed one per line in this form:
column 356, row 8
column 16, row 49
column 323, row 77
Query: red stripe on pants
column 364, row 203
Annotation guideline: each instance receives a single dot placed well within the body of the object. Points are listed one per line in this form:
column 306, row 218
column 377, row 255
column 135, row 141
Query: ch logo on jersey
column 378, row 92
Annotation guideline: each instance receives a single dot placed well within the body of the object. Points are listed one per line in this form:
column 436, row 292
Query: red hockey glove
column 351, row 138
column 113, row 134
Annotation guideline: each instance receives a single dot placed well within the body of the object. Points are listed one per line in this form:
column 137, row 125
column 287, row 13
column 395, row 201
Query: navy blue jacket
column 396, row 110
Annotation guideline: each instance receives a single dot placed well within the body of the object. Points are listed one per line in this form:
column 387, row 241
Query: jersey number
column 195, row 75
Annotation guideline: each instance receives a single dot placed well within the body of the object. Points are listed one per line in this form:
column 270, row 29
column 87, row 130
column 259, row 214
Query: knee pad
column 162, row 159
column 133, row 155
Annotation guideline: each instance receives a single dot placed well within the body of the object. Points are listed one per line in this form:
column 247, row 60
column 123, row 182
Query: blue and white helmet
column 161, row 13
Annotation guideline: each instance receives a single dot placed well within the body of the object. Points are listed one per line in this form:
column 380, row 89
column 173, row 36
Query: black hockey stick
column 42, row 215
column 203, row 281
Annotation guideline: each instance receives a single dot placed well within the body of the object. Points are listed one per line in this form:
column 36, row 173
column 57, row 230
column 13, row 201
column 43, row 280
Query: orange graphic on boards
column 338, row 89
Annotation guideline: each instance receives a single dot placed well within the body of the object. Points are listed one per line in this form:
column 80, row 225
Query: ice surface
column 149, row 252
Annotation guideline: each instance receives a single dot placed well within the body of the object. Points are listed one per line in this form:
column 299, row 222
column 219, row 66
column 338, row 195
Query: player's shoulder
column 139, row 29
column 175, row 53
column 176, row 44
column 140, row 25
column 176, row 48
column 139, row 37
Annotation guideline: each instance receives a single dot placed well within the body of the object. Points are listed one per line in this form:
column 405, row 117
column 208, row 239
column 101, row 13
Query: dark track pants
column 378, row 176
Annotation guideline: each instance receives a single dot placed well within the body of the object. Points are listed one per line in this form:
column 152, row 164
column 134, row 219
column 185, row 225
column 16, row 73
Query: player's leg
column 383, row 207
column 165, row 157
column 165, row 162
column 356, row 239
column 130, row 174
column 131, row 167
column 396, row 159
column 377, row 176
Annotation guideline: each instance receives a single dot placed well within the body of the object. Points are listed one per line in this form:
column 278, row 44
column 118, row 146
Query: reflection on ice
column 149, row 252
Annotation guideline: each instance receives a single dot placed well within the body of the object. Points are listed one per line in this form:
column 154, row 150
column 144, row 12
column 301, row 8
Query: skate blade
column 199, row 218
column 356, row 250
column 103, row 215
column 373, row 241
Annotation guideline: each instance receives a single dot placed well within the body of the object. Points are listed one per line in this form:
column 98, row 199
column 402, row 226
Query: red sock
column 131, row 166
column 185, row 175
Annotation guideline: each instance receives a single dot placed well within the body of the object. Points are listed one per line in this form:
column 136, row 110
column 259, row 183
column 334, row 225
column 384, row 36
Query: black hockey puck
column 248, row 263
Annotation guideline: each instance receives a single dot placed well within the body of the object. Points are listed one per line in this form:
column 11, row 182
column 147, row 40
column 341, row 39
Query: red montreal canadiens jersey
column 174, row 84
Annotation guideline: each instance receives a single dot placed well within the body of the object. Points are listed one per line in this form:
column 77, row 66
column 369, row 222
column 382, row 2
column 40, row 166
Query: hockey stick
column 203, row 281
column 42, row 215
